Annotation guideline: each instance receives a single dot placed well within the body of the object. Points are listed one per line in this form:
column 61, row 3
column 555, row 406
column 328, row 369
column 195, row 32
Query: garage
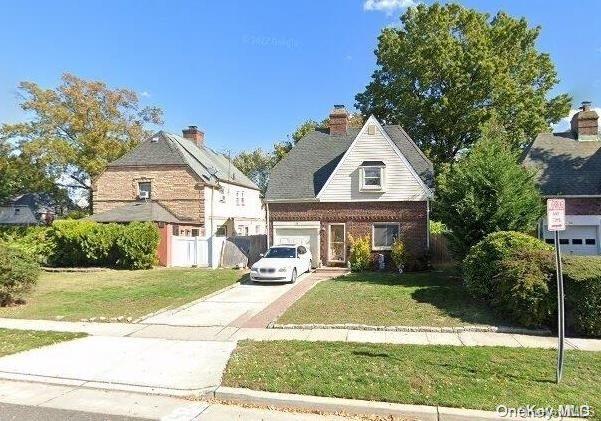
column 304, row 233
column 576, row 239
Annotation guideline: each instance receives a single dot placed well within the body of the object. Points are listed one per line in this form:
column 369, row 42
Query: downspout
column 268, row 225
column 428, row 225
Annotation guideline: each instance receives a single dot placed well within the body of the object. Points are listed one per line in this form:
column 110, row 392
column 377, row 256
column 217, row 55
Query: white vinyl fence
column 196, row 251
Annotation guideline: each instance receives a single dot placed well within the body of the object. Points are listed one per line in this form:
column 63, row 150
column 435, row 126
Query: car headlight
column 254, row 269
column 282, row 270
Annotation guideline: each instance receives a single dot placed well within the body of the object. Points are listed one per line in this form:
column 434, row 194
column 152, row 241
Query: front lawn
column 453, row 376
column 12, row 341
column 386, row 299
column 73, row 296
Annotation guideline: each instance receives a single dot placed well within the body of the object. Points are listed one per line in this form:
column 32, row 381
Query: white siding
column 400, row 183
column 251, row 214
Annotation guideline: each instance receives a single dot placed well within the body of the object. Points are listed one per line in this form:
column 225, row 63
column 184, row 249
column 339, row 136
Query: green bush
column 522, row 287
column 137, row 245
column 482, row 263
column 582, row 287
column 360, row 257
column 32, row 240
column 437, row 227
column 88, row 243
column 398, row 254
column 19, row 272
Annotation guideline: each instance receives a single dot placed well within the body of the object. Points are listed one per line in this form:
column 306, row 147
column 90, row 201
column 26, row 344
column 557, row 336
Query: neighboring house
column 341, row 182
column 32, row 209
column 568, row 165
column 194, row 191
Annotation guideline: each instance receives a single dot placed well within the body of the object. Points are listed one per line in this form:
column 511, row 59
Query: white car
column 283, row 263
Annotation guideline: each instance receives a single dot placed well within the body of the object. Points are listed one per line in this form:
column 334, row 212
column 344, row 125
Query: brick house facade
column 341, row 182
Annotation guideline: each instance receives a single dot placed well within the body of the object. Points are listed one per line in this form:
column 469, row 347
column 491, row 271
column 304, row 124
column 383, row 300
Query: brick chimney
column 338, row 120
column 585, row 123
column 192, row 133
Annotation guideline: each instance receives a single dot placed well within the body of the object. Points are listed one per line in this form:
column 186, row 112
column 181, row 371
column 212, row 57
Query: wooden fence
column 243, row 250
column 440, row 249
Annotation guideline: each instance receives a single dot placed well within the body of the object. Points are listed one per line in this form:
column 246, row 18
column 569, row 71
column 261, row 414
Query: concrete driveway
column 137, row 364
column 230, row 307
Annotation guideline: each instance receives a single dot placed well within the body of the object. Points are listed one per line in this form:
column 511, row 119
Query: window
column 281, row 253
column 237, row 198
column 175, row 230
column 372, row 176
column 383, row 235
column 242, row 198
column 590, row 242
column 221, row 231
column 144, row 189
column 564, row 241
column 195, row 232
column 576, row 240
column 549, row 241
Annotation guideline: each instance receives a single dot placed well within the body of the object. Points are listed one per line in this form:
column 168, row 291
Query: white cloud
column 564, row 124
column 387, row 6
column 145, row 94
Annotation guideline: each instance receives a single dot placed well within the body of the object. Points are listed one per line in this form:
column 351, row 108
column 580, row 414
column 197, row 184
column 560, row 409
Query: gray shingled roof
column 146, row 211
column 564, row 165
column 17, row 215
column 168, row 149
column 307, row 167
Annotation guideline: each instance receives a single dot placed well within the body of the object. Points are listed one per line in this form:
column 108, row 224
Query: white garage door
column 576, row 239
column 308, row 237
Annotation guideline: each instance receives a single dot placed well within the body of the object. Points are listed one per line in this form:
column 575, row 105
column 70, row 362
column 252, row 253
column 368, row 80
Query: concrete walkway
column 231, row 307
column 233, row 334
column 162, row 366
column 49, row 402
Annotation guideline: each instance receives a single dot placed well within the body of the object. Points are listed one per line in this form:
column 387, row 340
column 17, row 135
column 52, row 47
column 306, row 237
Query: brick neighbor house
column 188, row 189
column 568, row 166
column 342, row 181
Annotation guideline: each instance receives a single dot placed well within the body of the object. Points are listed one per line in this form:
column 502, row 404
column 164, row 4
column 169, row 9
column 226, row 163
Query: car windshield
column 281, row 252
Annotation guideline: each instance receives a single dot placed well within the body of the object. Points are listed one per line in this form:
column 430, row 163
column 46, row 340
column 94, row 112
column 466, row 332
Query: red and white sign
column 556, row 214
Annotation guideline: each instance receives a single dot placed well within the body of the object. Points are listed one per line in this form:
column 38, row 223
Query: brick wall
column 359, row 217
column 175, row 188
column 583, row 206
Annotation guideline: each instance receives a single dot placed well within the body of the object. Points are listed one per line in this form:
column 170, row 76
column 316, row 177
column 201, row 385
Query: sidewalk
column 231, row 334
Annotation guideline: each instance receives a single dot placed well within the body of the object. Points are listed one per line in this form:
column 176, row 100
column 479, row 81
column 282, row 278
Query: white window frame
column 343, row 241
column 373, row 188
column 242, row 198
column 237, row 197
column 373, row 236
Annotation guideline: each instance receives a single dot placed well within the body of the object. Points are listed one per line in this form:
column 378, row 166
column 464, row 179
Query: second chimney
column 338, row 120
column 585, row 123
column 192, row 133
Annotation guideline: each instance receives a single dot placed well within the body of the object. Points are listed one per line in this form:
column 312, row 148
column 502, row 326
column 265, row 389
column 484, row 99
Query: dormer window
column 372, row 176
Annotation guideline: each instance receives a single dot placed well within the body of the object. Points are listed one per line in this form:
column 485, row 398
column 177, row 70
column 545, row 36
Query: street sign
column 556, row 214
column 556, row 221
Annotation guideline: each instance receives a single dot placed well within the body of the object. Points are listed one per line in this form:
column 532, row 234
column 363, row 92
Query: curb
column 458, row 329
column 349, row 406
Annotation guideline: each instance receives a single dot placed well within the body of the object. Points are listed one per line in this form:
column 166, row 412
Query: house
column 568, row 166
column 183, row 185
column 340, row 182
column 33, row 209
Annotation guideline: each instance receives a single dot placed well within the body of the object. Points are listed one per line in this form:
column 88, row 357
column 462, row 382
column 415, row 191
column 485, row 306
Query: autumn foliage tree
column 76, row 129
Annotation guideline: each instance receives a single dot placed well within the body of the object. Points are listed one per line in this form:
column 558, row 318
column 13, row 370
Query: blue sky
column 247, row 72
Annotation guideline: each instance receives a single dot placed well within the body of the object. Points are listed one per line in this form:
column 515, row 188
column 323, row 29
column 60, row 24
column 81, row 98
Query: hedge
column 582, row 288
column 88, row 243
column 18, row 274
column 31, row 240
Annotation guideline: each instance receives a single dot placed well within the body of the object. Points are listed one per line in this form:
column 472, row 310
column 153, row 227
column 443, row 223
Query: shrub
column 437, row 227
column 522, row 287
column 482, row 263
column 398, row 254
column 32, row 240
column 18, row 274
column 582, row 287
column 360, row 256
column 137, row 245
column 69, row 238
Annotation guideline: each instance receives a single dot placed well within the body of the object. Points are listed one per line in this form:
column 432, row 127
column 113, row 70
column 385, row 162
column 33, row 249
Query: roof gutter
column 310, row 200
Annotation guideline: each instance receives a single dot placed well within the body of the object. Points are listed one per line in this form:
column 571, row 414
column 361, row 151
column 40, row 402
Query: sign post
column 556, row 221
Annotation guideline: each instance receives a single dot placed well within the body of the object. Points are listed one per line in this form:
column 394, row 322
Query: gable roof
column 168, row 149
column 17, row 215
column 564, row 165
column 146, row 211
column 303, row 172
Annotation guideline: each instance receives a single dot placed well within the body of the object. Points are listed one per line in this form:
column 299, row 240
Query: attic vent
column 371, row 129
column 154, row 139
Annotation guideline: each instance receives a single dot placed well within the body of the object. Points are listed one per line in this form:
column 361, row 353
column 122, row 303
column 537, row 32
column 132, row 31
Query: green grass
column 468, row 377
column 117, row 293
column 435, row 298
column 12, row 341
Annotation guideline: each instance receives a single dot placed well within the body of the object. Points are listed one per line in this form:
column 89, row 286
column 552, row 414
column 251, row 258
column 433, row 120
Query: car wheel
column 310, row 266
column 293, row 276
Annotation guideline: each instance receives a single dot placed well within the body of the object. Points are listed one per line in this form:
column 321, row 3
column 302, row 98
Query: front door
column 337, row 243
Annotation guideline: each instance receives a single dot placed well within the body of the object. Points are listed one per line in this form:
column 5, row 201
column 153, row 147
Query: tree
column 256, row 165
column 449, row 69
column 78, row 128
column 487, row 191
